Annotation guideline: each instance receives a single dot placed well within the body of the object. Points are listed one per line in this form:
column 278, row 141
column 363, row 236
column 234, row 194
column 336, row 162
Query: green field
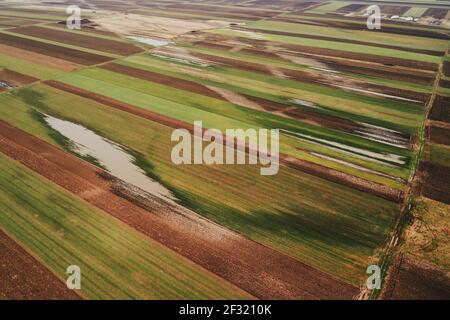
column 299, row 205
column 332, row 111
column 61, row 230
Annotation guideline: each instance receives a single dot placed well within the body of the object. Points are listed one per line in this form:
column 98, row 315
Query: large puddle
column 111, row 156
column 150, row 41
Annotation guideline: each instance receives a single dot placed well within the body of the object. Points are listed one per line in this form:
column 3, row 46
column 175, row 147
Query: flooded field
column 150, row 41
column 110, row 155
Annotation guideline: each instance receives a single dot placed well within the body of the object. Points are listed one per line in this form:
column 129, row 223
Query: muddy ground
column 436, row 182
column 22, row 277
column 411, row 279
column 444, row 83
column 439, row 134
column 263, row 272
column 447, row 68
column 441, row 109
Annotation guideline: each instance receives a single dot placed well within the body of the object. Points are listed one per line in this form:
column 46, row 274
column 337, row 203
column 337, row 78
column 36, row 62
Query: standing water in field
column 150, row 41
column 110, row 155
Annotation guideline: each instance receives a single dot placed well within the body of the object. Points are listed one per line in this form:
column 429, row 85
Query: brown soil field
column 51, row 50
column 447, row 68
column 15, row 79
column 38, row 58
column 162, row 79
column 437, row 13
column 444, row 83
column 436, row 182
column 320, row 171
column 351, row 8
column 16, row 22
column 439, row 135
column 211, row 9
column 22, row 277
column 261, row 271
column 301, row 6
column 441, row 109
column 217, row 15
column 85, row 29
column 308, row 36
column 411, row 279
column 80, row 40
column 391, row 10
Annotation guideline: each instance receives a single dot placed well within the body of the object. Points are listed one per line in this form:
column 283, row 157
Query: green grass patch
column 116, row 261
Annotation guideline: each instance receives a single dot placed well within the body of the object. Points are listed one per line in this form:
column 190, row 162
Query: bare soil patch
column 152, row 26
column 351, row 8
column 447, row 68
column 436, row 182
column 261, row 271
column 39, row 58
column 439, row 134
column 75, row 56
column 22, row 277
column 224, row 11
column 412, row 279
column 80, row 40
column 441, row 109
column 15, row 79
column 444, row 83
column 391, row 10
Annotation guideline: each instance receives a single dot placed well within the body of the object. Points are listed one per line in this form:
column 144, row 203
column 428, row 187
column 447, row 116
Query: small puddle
column 305, row 103
column 110, row 155
column 5, row 85
column 150, row 41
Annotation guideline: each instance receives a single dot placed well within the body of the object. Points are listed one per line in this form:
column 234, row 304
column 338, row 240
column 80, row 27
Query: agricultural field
column 87, row 118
